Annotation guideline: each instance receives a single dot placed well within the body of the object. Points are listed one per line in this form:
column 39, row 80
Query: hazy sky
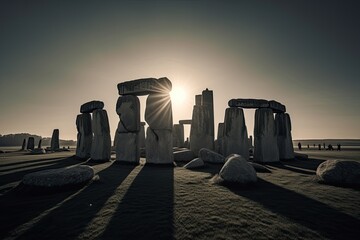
column 56, row 55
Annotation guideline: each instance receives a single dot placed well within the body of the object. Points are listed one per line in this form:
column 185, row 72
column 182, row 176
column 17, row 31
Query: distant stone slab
column 60, row 177
column 339, row 172
column 248, row 103
column 89, row 107
column 187, row 121
column 257, row 103
column 145, row 86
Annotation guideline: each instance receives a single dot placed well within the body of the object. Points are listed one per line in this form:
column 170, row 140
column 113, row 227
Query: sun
column 178, row 95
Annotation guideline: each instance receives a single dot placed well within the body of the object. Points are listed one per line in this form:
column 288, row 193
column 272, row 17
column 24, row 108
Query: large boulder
column 195, row 163
column 184, row 156
column 89, row 107
column 210, row 156
column 61, row 177
column 237, row 170
column 339, row 172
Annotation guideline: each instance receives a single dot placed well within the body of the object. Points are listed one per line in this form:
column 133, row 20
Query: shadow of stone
column 70, row 219
column 146, row 210
column 28, row 162
column 303, row 210
column 309, row 164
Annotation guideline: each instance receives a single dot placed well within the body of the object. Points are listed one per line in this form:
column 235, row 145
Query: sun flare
column 178, row 95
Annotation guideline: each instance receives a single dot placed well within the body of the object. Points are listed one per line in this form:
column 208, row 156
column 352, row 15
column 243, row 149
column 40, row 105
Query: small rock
column 195, row 163
column 238, row 170
column 38, row 151
column 210, row 156
column 339, row 172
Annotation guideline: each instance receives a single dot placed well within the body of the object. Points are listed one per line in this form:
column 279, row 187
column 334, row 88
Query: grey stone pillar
column 219, row 142
column 142, row 135
column 178, row 135
column 23, row 144
column 127, row 134
column 55, row 142
column 158, row 115
column 39, row 144
column 265, row 141
column 84, row 135
column 283, row 133
column 101, row 145
column 30, row 143
column 235, row 133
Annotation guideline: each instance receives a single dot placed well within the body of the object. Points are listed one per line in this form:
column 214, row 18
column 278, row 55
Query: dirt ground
column 153, row 202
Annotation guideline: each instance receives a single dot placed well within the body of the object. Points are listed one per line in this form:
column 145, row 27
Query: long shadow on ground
column 308, row 212
column 73, row 216
column 146, row 210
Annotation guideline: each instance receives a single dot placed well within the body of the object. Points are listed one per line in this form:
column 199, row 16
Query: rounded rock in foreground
column 237, row 170
column 338, row 172
column 61, row 177
column 184, row 156
column 210, row 156
column 195, row 163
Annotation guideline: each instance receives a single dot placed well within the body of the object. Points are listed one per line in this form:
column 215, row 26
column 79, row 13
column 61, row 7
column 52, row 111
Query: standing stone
column 198, row 99
column 39, row 145
column 207, row 100
column 128, row 109
column 55, row 142
column 283, row 133
column 159, row 146
column 127, row 147
column 23, row 144
column 201, row 135
column 235, row 133
column 178, row 135
column 30, row 143
column 265, row 141
column 219, row 143
column 101, row 145
column 158, row 112
column 142, row 135
column 89, row 107
column 84, row 136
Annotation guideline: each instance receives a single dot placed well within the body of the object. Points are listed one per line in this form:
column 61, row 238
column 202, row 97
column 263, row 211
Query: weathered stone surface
column 237, row 170
column 101, row 145
column 142, row 136
column 277, row 107
column 55, row 141
column 128, row 109
column 235, row 133
column 219, row 142
column 283, row 133
column 89, row 107
column 207, row 100
column 248, row 103
column 198, row 99
column 30, row 143
column 186, row 121
column 184, row 156
column 265, row 141
column 61, row 177
column 201, row 135
column 158, row 112
column 23, row 144
column 127, row 147
column 178, row 135
column 195, row 163
column 338, row 172
column 210, row 156
column 145, row 86
column 159, row 146
column 84, row 136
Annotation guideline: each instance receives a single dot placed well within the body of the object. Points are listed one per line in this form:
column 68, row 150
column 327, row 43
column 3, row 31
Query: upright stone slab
column 145, row 86
column 201, row 135
column 23, row 144
column 235, row 133
column 89, row 107
column 30, row 143
column 219, row 143
column 159, row 146
column 127, row 147
column 198, row 100
column 128, row 109
column 265, row 141
column 207, row 100
column 283, row 133
column 101, row 145
column 178, row 135
column 158, row 112
column 39, row 144
column 142, row 135
column 55, row 142
column 84, row 135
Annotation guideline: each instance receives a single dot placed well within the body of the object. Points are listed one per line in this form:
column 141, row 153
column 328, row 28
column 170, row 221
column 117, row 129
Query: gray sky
column 56, row 55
